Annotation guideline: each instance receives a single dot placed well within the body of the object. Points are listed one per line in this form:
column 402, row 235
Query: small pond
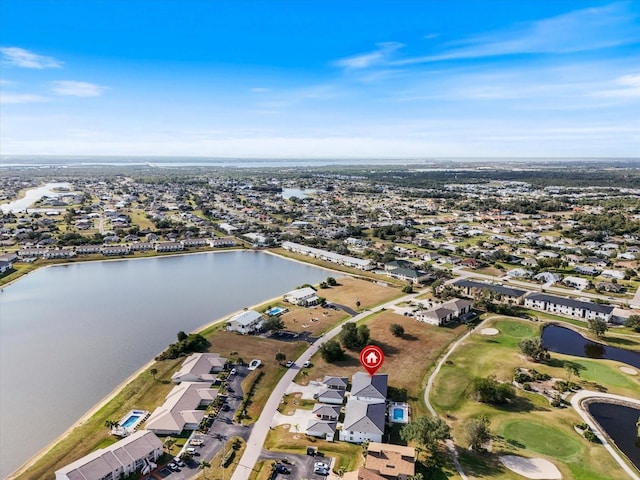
column 619, row 421
column 287, row 193
column 569, row 342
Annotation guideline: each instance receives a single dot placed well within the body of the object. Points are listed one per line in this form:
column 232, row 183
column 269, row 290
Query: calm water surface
column 619, row 422
column 569, row 342
column 70, row 334
column 33, row 195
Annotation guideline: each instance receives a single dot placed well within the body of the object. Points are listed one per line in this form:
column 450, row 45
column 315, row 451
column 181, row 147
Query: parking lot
column 300, row 466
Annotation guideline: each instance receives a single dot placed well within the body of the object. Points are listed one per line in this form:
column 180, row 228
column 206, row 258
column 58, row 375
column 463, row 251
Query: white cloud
column 627, row 87
column 77, row 89
column 17, row 98
column 577, row 31
column 377, row 57
column 20, row 57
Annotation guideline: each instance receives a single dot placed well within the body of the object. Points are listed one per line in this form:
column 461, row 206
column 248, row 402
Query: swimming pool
column 400, row 413
column 276, row 311
column 130, row 422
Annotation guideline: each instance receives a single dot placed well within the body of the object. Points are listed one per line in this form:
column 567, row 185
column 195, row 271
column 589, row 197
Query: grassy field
column 350, row 290
column 408, row 359
column 529, row 426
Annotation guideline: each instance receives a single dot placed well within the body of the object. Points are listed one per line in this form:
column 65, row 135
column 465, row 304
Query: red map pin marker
column 371, row 358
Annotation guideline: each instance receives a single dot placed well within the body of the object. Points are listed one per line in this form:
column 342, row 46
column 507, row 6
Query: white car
column 321, row 471
column 321, row 465
column 289, row 364
column 306, row 364
column 233, row 371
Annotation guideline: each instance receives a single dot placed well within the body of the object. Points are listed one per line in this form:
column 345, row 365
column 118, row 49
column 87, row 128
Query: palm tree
column 419, row 450
column 169, row 442
column 203, row 466
column 111, row 424
column 280, row 357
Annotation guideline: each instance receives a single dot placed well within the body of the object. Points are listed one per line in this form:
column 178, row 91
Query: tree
column 182, row 336
column 349, row 336
column 489, row 390
column 633, row 322
column 426, row 431
column 273, row 323
column 364, row 335
column 407, row 289
column 534, row 349
column 477, row 432
column 331, row 282
column 111, row 423
column 331, row 351
column 357, row 303
column 169, row 442
column 396, row 329
column 153, row 372
column 597, row 326
column 280, row 357
column 571, row 369
column 203, row 466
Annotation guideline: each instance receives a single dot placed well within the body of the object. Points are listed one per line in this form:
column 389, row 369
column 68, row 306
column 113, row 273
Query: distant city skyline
column 330, row 79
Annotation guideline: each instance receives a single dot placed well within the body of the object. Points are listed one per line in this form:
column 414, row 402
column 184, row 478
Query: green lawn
column 540, row 438
column 529, row 426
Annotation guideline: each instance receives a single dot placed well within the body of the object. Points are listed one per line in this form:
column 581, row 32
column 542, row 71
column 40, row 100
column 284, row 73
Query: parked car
column 196, row 442
column 233, row 371
column 174, row 467
column 226, row 407
column 320, row 471
column 281, row 468
column 289, row 364
column 178, row 462
column 306, row 364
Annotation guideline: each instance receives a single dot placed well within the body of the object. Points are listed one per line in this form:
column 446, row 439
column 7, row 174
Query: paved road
column 261, row 427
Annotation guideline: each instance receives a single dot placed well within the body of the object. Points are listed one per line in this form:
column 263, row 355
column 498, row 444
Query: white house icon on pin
column 372, row 358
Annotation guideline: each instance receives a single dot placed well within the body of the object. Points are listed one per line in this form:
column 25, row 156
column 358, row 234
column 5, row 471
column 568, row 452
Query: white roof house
column 200, row 367
column 180, row 409
column 302, row 296
column 363, row 421
column 248, row 321
column 369, row 388
column 446, row 312
column 137, row 452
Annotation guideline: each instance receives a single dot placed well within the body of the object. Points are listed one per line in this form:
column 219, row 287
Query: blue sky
column 348, row 79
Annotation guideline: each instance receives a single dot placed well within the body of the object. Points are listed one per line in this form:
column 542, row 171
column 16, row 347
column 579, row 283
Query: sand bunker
column 628, row 370
column 489, row 331
column 536, row 468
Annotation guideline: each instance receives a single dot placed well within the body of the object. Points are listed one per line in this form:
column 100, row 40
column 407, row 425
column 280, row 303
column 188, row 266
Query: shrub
column 589, row 435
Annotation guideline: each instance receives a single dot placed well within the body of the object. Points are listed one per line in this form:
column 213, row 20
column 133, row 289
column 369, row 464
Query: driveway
column 298, row 421
column 307, row 391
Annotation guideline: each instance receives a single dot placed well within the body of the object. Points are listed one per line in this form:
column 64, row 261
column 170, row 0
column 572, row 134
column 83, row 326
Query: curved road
column 261, row 427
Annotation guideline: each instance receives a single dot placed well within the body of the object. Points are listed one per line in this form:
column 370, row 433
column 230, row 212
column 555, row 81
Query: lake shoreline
column 118, row 389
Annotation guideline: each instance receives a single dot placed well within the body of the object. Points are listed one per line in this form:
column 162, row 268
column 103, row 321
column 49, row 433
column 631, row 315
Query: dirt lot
column 407, row 359
column 352, row 289
column 314, row 320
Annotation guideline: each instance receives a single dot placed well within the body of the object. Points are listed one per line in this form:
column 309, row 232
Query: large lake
column 70, row 334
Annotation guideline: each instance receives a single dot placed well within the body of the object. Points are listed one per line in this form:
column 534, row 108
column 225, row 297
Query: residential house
column 446, row 312
column 369, row 388
column 398, row 264
column 578, row 283
column 410, row 275
column 617, row 274
column 568, row 306
column 200, row 367
column 247, row 321
column 5, row 266
column 169, row 247
column 182, row 409
column 326, row 412
column 610, row 287
column 474, row 288
column 137, row 452
column 331, row 396
column 222, row 242
column 353, row 262
column 363, row 421
column 586, row 270
column 142, row 246
column 115, row 250
column 322, row 429
column 88, row 249
column 303, row 297
column 335, row 383
column 385, row 461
